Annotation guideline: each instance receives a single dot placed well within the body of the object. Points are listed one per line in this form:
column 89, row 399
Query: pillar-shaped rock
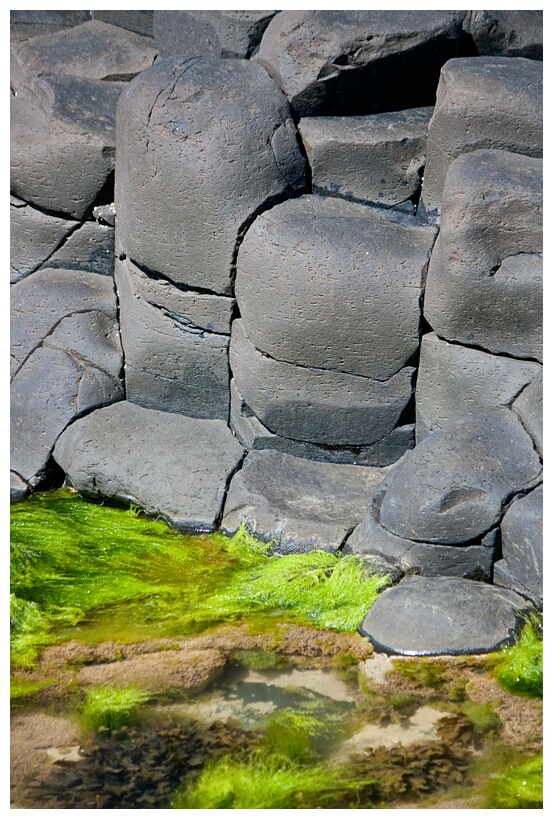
column 484, row 286
column 203, row 145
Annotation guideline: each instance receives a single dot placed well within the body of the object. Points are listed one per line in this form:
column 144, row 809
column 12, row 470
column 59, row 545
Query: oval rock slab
column 168, row 464
column 443, row 615
column 332, row 284
column 203, row 145
column 454, row 485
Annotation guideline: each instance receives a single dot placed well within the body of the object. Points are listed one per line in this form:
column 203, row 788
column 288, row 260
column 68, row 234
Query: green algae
column 20, row 688
column 269, row 781
column 108, row 708
column 292, row 734
column 87, row 571
column 520, row 669
column 519, row 786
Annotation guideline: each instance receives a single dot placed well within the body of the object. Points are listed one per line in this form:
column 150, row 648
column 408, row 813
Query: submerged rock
column 443, row 615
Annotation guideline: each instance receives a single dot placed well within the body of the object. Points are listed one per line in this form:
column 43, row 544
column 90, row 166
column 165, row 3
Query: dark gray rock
column 358, row 62
column 316, row 405
column 93, row 50
column 484, row 285
column 453, row 487
column 529, row 408
column 443, row 615
column 19, row 489
column 508, row 33
column 203, row 145
column 172, row 362
column 140, row 21
column 298, row 504
column 378, row 158
column 506, row 114
column 198, row 33
column 427, row 559
column 34, row 237
column 167, row 464
column 522, row 544
column 27, row 24
column 105, row 214
column 455, row 383
column 90, row 247
column 63, row 142
column 66, row 358
column 312, row 270
column 253, row 435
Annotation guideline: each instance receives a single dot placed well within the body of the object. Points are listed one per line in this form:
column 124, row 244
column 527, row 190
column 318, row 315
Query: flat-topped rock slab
column 169, row 465
column 422, row 616
column 299, row 504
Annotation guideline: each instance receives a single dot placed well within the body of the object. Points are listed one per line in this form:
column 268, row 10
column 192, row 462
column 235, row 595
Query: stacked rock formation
column 310, row 301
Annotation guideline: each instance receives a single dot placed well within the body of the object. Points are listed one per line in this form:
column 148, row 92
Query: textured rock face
column 484, row 284
column 508, row 33
column 168, row 464
column 443, row 615
column 140, row 21
column 313, row 270
column 90, row 247
column 452, row 487
column 62, row 142
column 175, row 344
column 485, row 102
column 455, row 383
column 252, row 434
column 34, row 236
column 529, row 408
column 298, row 504
column 205, row 143
column 317, row 405
column 378, row 158
column 358, row 62
column 223, row 33
column 94, row 50
column 27, row 24
column 522, row 545
column 66, row 360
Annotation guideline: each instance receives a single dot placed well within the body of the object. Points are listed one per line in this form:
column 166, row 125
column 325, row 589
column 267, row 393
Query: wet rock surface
column 443, row 615
column 297, row 504
column 168, row 464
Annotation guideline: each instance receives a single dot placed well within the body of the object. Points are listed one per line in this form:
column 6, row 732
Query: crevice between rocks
column 230, row 476
column 156, row 276
column 489, row 352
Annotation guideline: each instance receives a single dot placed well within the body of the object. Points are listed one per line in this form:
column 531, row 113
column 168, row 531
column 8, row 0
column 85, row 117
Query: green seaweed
column 519, row 786
column 292, row 734
column 422, row 673
column 110, row 708
column 266, row 780
column 26, row 688
column 86, row 571
column 520, row 669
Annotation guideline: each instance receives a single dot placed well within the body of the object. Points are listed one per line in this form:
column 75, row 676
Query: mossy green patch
column 87, row 571
column 520, row 669
column 266, row 780
column 110, row 708
column 519, row 786
column 422, row 673
column 292, row 734
column 20, row 688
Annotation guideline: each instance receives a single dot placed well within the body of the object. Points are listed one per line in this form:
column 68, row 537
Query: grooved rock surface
column 453, row 487
column 253, row 435
column 484, row 285
column 455, row 383
column 331, row 284
column 443, row 615
column 223, row 33
column 94, row 50
column 66, row 360
column 299, row 504
column 204, row 144
column 529, row 408
column 522, row 543
column 62, row 141
column 34, row 236
column 167, row 464
column 316, row 405
column 427, row 559
column 172, row 361
column 358, row 62
column 508, row 33
column 90, row 247
column 378, row 158
column 483, row 102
